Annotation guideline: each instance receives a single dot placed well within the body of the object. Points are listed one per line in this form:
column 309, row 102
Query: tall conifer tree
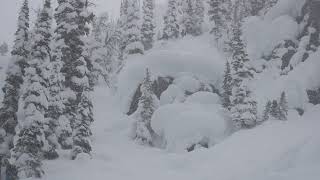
column 227, row 87
column 132, row 29
column 13, row 82
column 72, row 19
column 148, row 25
column 244, row 107
column 171, row 26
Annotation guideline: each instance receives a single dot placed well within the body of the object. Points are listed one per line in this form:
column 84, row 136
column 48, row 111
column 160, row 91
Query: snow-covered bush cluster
column 189, row 80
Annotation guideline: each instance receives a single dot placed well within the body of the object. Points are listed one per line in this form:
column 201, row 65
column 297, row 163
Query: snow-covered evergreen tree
column 84, row 118
column 30, row 138
column 244, row 110
column 257, row 6
column 61, row 54
column 4, row 49
column 189, row 18
column 121, row 26
column 266, row 112
column 72, row 19
column 41, row 55
column 239, row 55
column 275, row 110
column 31, row 141
column 215, row 15
column 240, row 10
column 20, row 47
column 283, row 107
column 171, row 25
column 220, row 15
column 244, row 107
column 55, row 114
column 200, row 15
column 81, row 83
column 147, row 105
column 132, row 29
column 148, row 24
column 14, row 79
column 227, row 87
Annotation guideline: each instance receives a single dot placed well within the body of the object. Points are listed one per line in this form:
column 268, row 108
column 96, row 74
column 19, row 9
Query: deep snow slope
column 275, row 150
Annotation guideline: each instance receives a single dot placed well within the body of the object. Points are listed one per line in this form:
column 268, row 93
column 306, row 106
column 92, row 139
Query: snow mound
column 191, row 55
column 183, row 86
column 183, row 125
column 203, row 98
column 172, row 95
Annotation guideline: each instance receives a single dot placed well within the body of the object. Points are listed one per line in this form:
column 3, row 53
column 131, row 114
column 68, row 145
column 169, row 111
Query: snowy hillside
column 275, row 150
column 169, row 90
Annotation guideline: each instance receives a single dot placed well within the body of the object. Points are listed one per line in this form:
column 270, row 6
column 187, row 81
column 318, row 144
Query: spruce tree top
column 22, row 37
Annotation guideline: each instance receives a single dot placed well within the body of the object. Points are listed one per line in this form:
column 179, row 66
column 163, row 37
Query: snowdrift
column 184, row 125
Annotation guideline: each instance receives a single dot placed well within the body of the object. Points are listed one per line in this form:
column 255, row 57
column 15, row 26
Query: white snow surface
column 275, row 150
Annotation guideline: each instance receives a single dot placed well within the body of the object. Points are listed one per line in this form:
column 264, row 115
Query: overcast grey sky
column 9, row 12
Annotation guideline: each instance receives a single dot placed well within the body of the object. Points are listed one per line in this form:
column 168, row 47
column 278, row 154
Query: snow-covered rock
column 269, row 84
